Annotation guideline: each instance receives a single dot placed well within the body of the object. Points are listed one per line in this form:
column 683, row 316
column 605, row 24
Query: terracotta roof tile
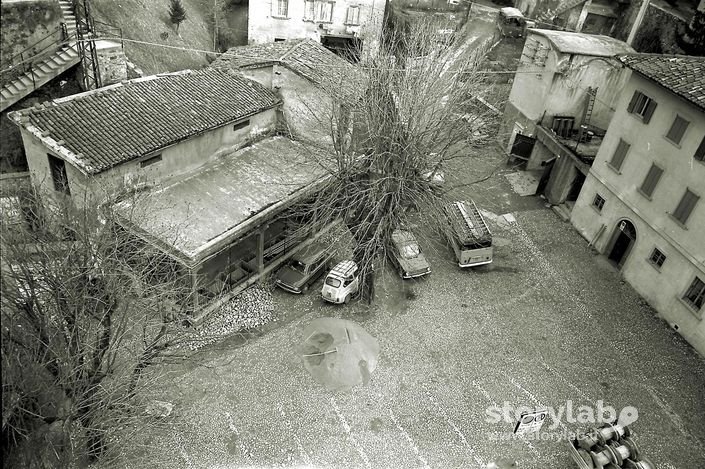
column 682, row 75
column 126, row 121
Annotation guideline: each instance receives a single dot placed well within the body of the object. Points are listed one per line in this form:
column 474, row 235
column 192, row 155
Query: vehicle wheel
column 347, row 299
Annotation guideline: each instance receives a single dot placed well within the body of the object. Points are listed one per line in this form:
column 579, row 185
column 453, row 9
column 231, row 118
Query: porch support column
column 260, row 253
column 194, row 290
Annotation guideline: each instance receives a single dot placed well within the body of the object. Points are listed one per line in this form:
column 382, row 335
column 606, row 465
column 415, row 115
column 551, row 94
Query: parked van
column 341, row 283
column 511, row 23
column 468, row 234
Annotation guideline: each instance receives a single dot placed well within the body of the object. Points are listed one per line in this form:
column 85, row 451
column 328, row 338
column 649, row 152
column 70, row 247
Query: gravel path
column 548, row 322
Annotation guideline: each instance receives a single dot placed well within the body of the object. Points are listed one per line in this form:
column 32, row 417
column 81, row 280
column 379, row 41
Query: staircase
column 46, row 65
column 548, row 15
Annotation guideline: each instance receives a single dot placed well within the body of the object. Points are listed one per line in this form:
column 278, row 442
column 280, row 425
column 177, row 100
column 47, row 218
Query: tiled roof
column 305, row 57
column 254, row 55
column 683, row 75
column 584, row 44
column 112, row 125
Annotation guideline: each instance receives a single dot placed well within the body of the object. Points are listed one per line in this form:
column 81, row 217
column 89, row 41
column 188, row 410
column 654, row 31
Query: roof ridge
column 293, row 48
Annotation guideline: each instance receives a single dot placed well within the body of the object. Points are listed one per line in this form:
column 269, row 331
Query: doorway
column 623, row 240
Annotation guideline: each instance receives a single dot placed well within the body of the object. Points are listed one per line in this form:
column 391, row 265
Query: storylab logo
column 568, row 413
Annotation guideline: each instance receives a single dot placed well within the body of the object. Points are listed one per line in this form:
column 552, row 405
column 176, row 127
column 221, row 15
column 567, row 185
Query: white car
column 341, row 283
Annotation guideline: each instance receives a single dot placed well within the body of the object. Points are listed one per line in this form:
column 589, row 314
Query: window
column 657, row 258
column 598, row 202
column 642, row 106
column 241, row 125
column 353, row 16
column 619, row 154
column 318, row 11
column 279, row 39
column 57, row 167
column 651, row 179
column 695, row 294
column 685, row 206
column 150, row 161
column 700, row 152
column 678, row 128
column 280, row 8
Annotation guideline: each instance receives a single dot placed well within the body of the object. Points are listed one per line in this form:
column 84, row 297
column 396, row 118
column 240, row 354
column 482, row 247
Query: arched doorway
column 623, row 240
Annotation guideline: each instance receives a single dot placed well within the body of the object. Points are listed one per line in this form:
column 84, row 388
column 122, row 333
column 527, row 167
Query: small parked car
column 406, row 256
column 304, row 268
column 342, row 283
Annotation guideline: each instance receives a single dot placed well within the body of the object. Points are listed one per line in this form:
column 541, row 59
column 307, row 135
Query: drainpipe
column 637, row 23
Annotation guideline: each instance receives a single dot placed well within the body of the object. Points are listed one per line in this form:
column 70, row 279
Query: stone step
column 6, row 94
column 25, row 80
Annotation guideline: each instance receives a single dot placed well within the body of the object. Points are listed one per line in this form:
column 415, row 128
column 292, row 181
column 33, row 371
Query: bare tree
column 394, row 122
column 85, row 309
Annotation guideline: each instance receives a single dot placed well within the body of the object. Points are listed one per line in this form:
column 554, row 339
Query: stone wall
column 113, row 64
column 28, row 23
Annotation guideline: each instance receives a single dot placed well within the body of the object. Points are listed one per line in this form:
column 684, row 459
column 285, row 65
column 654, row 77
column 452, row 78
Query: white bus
column 468, row 234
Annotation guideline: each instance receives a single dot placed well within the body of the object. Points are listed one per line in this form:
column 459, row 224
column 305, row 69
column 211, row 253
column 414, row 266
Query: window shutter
column 652, row 178
column 678, row 128
column 619, row 154
column 700, row 152
column 632, row 103
column 650, row 108
column 685, row 207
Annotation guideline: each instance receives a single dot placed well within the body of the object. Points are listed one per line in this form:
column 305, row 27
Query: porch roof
column 203, row 212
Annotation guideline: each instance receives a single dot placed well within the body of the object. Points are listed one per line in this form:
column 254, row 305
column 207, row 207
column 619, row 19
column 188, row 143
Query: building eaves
column 100, row 129
column 681, row 74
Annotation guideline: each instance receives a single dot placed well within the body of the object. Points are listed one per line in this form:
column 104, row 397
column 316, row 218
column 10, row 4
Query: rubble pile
column 253, row 308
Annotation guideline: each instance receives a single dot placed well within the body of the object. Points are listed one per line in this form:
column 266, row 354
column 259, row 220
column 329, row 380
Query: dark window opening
column 598, row 202
column 151, row 160
column 657, row 258
column 695, row 295
column 279, row 39
column 642, row 106
column 241, row 125
column 57, row 167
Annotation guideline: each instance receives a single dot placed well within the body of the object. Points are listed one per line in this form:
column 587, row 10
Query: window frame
column 649, row 176
column 678, row 117
column 59, row 175
column 676, row 216
column 351, row 8
column 642, row 106
column 151, row 160
column 686, row 299
column 598, row 204
column 618, row 167
column 699, row 154
column 241, row 125
column 657, row 258
column 276, row 8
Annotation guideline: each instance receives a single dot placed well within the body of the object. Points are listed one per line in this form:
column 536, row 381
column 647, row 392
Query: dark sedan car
column 304, row 268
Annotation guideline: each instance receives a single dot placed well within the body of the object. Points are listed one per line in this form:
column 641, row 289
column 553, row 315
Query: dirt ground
column 547, row 323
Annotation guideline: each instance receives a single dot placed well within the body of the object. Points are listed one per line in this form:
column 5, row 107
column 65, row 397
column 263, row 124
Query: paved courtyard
column 548, row 323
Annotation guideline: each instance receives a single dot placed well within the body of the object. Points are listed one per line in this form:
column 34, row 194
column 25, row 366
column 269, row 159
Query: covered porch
column 234, row 220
